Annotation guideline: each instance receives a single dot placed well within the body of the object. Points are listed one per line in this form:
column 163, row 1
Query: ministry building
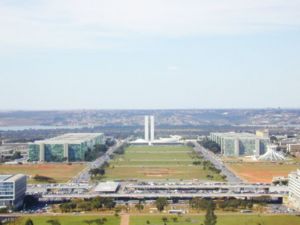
column 68, row 147
column 241, row 144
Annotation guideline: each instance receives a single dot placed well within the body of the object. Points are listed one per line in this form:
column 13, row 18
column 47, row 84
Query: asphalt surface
column 84, row 176
column 210, row 156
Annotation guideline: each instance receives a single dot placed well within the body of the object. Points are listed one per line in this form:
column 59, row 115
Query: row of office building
column 68, row 147
column 241, row 144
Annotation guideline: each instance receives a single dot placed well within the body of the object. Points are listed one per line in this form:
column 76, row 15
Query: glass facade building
column 12, row 190
column 76, row 152
column 34, row 152
column 70, row 147
column 240, row 144
column 54, row 152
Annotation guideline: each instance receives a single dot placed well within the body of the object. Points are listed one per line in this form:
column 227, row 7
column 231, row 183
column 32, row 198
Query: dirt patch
column 157, row 172
column 261, row 172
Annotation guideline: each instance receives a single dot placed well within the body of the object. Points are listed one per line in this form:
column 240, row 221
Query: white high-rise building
column 294, row 189
column 146, row 128
column 152, row 128
column 149, row 129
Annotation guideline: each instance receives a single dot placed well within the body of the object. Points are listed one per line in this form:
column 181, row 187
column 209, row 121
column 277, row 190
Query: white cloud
column 173, row 68
column 82, row 23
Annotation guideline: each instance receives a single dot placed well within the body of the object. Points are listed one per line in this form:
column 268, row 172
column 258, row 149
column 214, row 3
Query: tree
column 273, row 139
column 199, row 203
column 89, row 222
column 97, row 171
column 117, row 211
column 16, row 155
column 164, row 219
column 161, row 203
column 29, row 222
column 84, row 206
column 211, row 145
column 97, row 151
column 210, row 217
column 97, row 203
column 139, row 206
column 110, row 142
column 108, row 203
column 54, row 222
column 190, row 144
column 67, row 207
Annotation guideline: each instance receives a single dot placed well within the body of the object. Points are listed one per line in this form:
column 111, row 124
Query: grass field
column 261, row 171
column 222, row 220
column 157, row 162
column 59, row 172
column 70, row 220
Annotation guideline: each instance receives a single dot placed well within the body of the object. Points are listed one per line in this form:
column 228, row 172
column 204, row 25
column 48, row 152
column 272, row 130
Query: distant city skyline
column 160, row 54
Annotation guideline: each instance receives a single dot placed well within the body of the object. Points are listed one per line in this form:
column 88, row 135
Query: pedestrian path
column 124, row 219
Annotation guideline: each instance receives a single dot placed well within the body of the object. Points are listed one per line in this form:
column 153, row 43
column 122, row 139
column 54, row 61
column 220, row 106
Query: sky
column 149, row 54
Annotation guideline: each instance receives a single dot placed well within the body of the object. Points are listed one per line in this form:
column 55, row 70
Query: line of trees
column 206, row 165
column 98, row 173
column 210, row 145
column 121, row 149
column 96, row 152
column 98, row 221
column 79, row 205
column 230, row 204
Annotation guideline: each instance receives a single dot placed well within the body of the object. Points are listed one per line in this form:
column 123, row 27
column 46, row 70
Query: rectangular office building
column 294, row 189
column 240, row 144
column 68, row 147
column 12, row 190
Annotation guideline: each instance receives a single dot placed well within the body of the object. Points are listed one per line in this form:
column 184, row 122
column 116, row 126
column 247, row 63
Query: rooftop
column 239, row 135
column 108, row 186
column 70, row 138
column 4, row 177
column 10, row 178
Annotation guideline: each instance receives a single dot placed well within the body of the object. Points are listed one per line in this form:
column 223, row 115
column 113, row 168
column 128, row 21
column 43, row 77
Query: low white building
column 294, row 189
column 107, row 187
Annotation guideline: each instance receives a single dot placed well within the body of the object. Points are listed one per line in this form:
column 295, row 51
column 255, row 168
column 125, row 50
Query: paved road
column 84, row 176
column 210, row 156
column 158, row 195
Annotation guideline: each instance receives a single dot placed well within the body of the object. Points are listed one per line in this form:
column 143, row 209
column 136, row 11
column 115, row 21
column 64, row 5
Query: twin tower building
column 149, row 129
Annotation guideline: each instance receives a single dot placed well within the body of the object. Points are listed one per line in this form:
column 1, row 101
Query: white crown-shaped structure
column 272, row 154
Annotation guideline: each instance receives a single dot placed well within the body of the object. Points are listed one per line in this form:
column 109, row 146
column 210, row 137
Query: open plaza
column 158, row 162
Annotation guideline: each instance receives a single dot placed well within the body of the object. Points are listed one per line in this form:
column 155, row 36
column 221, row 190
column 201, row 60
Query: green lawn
column 222, row 220
column 59, row 172
column 157, row 162
column 69, row 220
